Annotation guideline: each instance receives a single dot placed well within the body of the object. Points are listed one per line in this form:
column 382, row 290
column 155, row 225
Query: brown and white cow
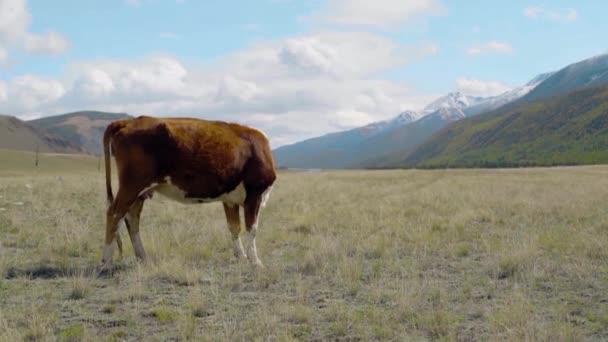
column 191, row 161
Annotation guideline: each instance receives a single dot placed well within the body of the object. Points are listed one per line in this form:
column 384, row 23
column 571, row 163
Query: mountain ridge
column 82, row 128
column 19, row 135
column 569, row 129
column 361, row 146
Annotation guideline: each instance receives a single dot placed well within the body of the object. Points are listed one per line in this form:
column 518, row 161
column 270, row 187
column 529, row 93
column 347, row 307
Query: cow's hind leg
column 132, row 222
column 116, row 212
column 252, row 212
column 234, row 224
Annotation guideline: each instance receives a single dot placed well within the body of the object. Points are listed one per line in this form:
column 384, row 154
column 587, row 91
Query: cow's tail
column 107, row 139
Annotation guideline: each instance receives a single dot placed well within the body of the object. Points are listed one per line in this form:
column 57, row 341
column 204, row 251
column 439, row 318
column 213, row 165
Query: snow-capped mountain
column 455, row 100
column 589, row 72
column 365, row 146
column 399, row 120
column 336, row 150
column 494, row 102
column 405, row 118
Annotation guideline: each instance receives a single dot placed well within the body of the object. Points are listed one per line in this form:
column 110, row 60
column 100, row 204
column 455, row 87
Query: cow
column 190, row 161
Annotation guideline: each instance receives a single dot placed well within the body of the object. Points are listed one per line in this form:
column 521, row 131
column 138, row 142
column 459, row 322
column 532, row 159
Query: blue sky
column 293, row 68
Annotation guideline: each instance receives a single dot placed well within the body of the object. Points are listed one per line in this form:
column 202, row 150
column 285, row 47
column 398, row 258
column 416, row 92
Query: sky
column 293, row 68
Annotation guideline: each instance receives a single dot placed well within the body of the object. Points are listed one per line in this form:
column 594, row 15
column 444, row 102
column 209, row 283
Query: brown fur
column 203, row 158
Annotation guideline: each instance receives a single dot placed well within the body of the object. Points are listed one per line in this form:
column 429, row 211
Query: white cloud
column 15, row 20
column 475, row 87
column 293, row 88
column 29, row 92
column 560, row 15
column 491, row 47
column 384, row 14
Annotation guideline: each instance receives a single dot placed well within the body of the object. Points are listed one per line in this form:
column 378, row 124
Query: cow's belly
column 171, row 191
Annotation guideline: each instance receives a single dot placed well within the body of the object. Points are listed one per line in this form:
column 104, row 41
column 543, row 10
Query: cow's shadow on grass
column 49, row 270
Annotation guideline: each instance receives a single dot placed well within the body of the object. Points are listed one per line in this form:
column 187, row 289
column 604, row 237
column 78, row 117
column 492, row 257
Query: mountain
column 337, row 150
column 19, row 135
column 460, row 143
column 382, row 149
column 564, row 130
column 353, row 147
column 589, row 72
column 83, row 129
column 494, row 102
column 381, row 143
column 453, row 100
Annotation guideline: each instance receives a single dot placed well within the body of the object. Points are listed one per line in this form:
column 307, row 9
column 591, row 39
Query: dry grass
column 387, row 255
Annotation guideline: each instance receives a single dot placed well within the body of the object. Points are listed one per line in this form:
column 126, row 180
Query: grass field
column 377, row 255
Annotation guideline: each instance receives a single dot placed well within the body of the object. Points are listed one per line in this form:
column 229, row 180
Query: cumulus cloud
column 15, row 20
column 491, row 47
column 561, row 15
column 384, row 14
column 475, row 87
column 292, row 88
column 29, row 92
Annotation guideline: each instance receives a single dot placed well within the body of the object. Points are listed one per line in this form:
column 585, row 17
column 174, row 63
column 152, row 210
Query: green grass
column 496, row 255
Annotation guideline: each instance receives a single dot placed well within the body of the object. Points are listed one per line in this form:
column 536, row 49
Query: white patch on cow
column 266, row 195
column 236, row 196
column 170, row 190
column 173, row 192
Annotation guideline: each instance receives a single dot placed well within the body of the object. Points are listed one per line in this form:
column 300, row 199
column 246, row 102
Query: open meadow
column 451, row 255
